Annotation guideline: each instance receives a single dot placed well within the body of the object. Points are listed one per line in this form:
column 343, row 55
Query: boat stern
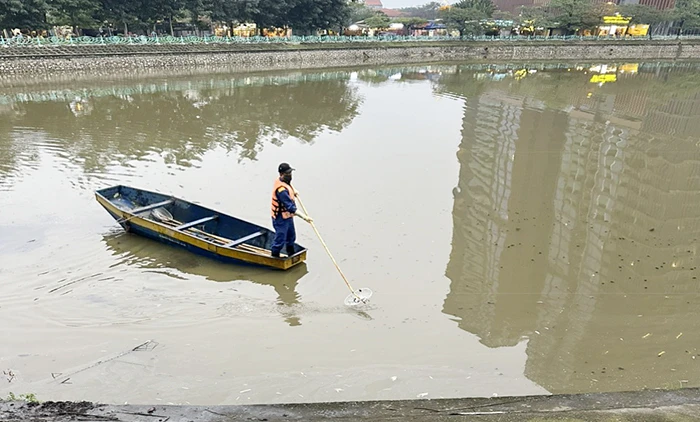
column 284, row 263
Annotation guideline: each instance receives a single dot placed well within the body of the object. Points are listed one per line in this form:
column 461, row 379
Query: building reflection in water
column 576, row 225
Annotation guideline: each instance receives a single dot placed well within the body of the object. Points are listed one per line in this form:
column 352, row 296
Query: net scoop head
column 360, row 297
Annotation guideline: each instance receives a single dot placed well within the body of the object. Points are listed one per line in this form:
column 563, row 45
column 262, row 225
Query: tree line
column 571, row 16
column 146, row 15
column 308, row 16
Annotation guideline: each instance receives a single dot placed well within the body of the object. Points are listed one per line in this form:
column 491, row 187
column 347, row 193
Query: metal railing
column 192, row 40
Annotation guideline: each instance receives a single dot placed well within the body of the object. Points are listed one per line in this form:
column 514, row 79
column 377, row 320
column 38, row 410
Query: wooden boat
column 193, row 227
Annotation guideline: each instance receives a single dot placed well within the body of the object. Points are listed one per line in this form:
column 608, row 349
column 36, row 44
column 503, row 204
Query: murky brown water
column 523, row 232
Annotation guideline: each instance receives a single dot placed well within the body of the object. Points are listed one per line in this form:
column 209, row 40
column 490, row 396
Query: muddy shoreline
column 648, row 405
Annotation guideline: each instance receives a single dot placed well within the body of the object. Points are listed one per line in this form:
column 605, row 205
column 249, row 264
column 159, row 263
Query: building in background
column 514, row 5
column 659, row 4
column 374, row 4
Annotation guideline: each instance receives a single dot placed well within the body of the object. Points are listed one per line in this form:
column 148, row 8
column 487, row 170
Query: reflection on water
column 179, row 121
column 133, row 250
column 576, row 224
column 572, row 201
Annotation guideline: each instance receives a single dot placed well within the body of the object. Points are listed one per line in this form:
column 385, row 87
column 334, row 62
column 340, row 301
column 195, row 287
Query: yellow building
column 615, row 25
column 638, row 30
column 618, row 26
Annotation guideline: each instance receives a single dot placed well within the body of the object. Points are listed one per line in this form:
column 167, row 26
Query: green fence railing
column 192, row 40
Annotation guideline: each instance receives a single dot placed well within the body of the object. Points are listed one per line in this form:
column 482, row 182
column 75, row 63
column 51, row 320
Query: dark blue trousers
column 285, row 233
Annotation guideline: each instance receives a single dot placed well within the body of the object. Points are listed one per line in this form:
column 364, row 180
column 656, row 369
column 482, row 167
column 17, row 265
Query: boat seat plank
column 242, row 240
column 196, row 222
column 151, row 207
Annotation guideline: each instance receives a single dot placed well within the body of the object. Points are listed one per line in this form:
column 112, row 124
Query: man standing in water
column 284, row 209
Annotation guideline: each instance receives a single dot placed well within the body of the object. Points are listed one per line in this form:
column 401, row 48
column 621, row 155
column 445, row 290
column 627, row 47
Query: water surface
column 525, row 230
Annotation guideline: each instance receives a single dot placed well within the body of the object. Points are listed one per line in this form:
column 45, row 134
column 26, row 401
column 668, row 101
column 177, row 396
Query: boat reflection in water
column 148, row 254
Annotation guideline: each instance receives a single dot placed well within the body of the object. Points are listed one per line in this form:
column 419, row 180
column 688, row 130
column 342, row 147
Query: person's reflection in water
column 285, row 285
column 140, row 252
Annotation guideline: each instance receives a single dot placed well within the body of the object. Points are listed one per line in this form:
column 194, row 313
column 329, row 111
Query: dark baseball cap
column 285, row 168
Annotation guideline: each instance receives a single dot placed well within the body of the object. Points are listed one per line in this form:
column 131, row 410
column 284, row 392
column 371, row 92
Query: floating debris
column 499, row 412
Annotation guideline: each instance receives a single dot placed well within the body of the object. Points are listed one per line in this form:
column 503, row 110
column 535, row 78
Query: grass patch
column 29, row 397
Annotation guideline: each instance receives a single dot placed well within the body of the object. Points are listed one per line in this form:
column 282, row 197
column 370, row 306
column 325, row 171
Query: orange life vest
column 277, row 206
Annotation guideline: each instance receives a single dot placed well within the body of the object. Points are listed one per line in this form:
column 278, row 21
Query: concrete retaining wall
column 90, row 58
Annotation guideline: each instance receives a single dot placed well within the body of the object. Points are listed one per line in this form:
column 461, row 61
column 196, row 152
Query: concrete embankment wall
column 90, row 58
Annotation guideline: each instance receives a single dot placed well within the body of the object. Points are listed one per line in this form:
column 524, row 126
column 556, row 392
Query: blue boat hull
column 221, row 237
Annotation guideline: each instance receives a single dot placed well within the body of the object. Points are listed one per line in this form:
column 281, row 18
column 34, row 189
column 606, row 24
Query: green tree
column 574, row 15
column 533, row 17
column 226, row 11
column 486, row 7
column 196, row 9
column 119, row 13
column 151, row 12
column 642, row 14
column 464, row 20
column 687, row 14
column 76, row 13
column 264, row 13
column 272, row 13
column 29, row 14
column 312, row 15
column 410, row 23
column 378, row 21
column 427, row 11
column 503, row 15
column 358, row 12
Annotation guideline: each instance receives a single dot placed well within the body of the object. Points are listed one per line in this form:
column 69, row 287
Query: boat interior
column 220, row 229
